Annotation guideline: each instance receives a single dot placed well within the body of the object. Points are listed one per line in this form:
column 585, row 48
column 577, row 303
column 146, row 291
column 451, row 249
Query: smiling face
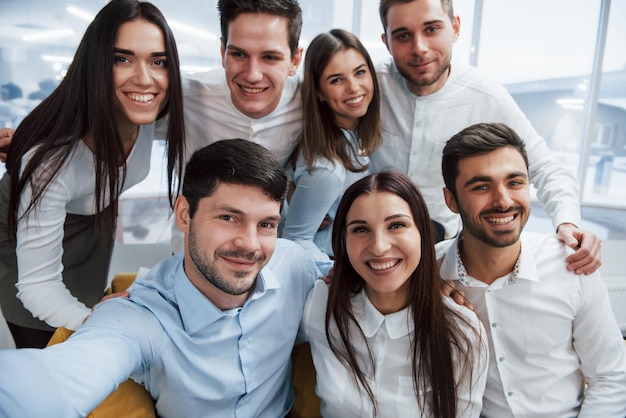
column 347, row 86
column 140, row 74
column 384, row 247
column 419, row 36
column 230, row 238
column 492, row 197
column 258, row 62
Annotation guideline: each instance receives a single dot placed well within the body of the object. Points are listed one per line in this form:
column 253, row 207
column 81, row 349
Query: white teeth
column 355, row 101
column 251, row 91
column 383, row 266
column 500, row 220
column 142, row 98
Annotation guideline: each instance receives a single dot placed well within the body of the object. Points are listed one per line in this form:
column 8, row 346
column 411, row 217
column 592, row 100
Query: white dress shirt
column 416, row 128
column 392, row 382
column 211, row 116
column 550, row 331
column 40, row 235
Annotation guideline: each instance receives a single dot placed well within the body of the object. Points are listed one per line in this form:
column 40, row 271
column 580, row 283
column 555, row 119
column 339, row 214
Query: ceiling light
column 48, row 34
column 80, row 13
column 51, row 58
column 192, row 31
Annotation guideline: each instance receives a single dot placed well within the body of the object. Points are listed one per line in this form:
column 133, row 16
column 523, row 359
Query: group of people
column 347, row 165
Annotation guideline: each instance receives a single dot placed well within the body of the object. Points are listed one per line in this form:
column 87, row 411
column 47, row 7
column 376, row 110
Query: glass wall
column 545, row 53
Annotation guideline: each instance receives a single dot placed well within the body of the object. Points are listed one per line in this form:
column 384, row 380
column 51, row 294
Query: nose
column 351, row 84
column 142, row 75
column 247, row 239
column 379, row 244
column 502, row 198
column 420, row 45
column 253, row 72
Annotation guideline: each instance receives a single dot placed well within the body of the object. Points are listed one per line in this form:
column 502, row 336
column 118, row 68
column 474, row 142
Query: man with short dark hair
column 255, row 96
column 207, row 332
column 554, row 345
column 426, row 98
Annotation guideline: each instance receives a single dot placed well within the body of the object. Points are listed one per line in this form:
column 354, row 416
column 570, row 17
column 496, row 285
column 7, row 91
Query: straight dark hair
column 289, row 9
column 82, row 105
column 321, row 137
column 232, row 161
column 477, row 139
column 437, row 334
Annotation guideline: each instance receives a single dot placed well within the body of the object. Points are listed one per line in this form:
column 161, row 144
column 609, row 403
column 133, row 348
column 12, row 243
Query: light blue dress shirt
column 318, row 193
column 193, row 358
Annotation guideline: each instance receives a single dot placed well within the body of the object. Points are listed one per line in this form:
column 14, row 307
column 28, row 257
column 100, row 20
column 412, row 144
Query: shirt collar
column 198, row 312
column 453, row 268
column 397, row 324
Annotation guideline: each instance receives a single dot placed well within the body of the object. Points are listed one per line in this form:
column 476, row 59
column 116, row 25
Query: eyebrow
column 388, row 218
column 236, row 211
column 269, row 51
column 129, row 52
column 340, row 74
column 405, row 29
column 480, row 179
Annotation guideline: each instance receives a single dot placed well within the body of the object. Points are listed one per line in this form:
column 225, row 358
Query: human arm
column 40, row 253
column 314, row 195
column 69, row 379
column 557, row 189
column 587, row 257
column 598, row 342
column 5, row 139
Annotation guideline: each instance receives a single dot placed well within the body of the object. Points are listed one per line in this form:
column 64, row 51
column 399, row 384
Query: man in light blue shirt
column 207, row 332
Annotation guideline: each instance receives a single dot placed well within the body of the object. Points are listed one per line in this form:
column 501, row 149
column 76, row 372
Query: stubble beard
column 208, row 268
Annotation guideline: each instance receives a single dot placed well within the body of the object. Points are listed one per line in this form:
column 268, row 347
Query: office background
column 562, row 60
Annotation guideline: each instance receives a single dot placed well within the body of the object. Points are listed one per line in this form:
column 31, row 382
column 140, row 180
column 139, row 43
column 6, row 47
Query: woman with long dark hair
column 71, row 158
column 341, row 127
column 385, row 341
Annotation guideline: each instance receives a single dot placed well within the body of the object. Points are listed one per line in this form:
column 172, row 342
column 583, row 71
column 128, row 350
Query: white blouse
column 392, row 381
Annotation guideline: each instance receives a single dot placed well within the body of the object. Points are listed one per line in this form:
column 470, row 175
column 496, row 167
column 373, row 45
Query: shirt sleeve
column 39, row 254
column 315, row 193
column 602, row 352
column 72, row 378
column 470, row 389
column 556, row 184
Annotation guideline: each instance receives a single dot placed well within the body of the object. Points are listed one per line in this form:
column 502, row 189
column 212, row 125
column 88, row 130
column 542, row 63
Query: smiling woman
column 385, row 302
column 70, row 159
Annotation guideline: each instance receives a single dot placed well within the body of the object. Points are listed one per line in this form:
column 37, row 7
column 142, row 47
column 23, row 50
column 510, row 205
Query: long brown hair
column 321, row 137
column 437, row 328
column 82, row 104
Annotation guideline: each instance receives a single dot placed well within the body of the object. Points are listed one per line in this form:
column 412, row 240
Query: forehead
column 250, row 201
column 140, row 34
column 498, row 163
column 377, row 206
column 415, row 13
column 349, row 58
column 260, row 30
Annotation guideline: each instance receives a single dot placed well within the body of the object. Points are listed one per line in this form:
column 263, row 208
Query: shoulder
column 212, row 83
column 314, row 316
column 465, row 76
column 466, row 320
column 290, row 262
column 544, row 245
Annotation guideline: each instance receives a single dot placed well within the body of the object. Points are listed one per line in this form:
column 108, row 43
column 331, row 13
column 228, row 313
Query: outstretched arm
column 587, row 257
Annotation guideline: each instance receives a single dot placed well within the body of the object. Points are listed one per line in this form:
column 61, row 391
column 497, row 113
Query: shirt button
column 510, row 393
column 501, row 359
column 494, row 324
